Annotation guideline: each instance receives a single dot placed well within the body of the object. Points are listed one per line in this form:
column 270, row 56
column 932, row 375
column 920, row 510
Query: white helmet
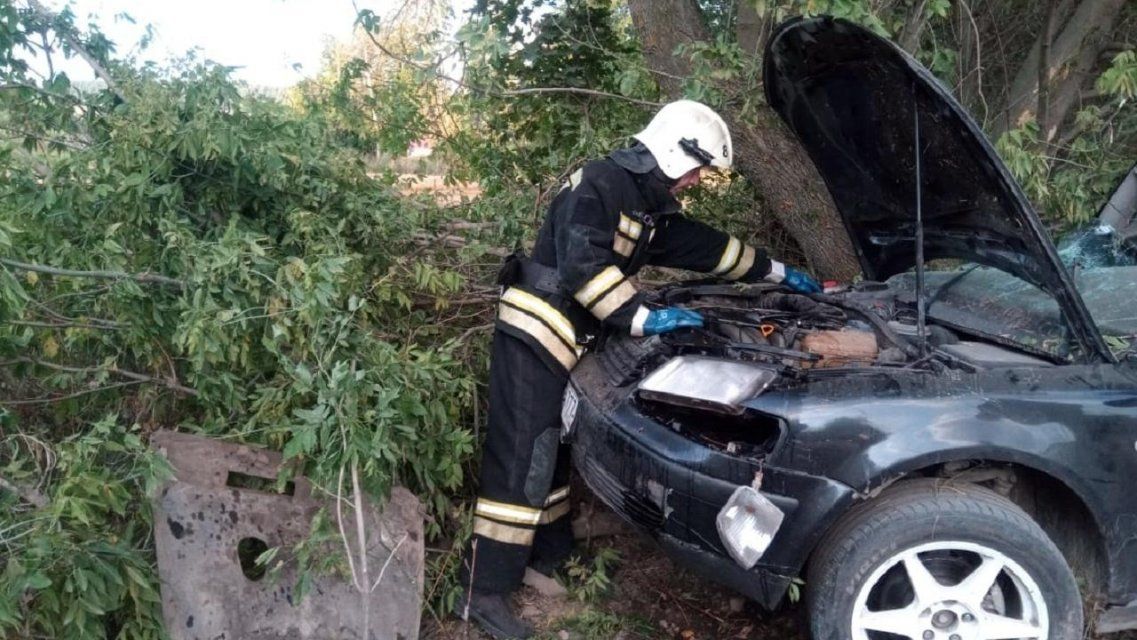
column 686, row 134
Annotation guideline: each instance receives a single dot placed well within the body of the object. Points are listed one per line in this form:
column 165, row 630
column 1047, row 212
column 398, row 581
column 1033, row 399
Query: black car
column 942, row 451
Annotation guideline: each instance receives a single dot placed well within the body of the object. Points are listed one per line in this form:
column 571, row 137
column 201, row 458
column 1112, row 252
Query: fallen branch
column 450, row 241
column 145, row 278
column 61, row 325
column 137, row 377
column 17, row 86
column 383, row 569
column 67, row 321
column 27, row 494
column 462, row 225
column 471, row 331
column 70, row 395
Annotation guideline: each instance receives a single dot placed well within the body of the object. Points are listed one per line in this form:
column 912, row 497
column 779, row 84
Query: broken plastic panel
column 747, row 524
column 706, row 383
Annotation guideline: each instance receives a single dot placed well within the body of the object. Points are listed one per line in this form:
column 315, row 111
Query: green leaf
column 37, row 581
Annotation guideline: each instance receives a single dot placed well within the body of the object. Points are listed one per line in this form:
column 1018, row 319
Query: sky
column 265, row 38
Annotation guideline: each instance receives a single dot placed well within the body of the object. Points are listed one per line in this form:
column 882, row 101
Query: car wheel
column 934, row 560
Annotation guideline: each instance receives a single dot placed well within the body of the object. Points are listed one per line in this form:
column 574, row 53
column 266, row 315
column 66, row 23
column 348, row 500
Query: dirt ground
column 649, row 598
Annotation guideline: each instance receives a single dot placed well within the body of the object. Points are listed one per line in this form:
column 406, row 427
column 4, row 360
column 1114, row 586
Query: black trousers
column 522, row 511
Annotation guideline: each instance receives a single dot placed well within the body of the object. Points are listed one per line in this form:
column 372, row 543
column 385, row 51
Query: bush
column 196, row 258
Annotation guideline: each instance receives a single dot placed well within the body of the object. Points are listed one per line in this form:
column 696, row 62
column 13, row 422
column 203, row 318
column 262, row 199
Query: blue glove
column 670, row 319
column 800, row 281
column 796, row 280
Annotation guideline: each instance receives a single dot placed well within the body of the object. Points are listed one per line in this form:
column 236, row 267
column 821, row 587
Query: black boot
column 494, row 614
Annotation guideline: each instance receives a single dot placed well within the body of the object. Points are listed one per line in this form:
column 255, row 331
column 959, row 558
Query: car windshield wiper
column 950, row 283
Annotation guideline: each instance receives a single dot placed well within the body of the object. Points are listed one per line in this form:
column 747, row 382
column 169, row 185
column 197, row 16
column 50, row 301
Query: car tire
column 860, row 582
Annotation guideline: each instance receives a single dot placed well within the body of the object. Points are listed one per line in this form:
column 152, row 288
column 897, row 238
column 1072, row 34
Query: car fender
column 865, row 444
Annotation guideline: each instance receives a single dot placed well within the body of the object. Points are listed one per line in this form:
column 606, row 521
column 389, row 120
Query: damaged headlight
column 747, row 524
column 706, row 383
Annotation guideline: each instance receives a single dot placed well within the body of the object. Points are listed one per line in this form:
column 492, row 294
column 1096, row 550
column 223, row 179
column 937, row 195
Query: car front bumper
column 673, row 488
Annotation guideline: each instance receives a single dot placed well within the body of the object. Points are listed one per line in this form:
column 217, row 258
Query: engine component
column 841, row 348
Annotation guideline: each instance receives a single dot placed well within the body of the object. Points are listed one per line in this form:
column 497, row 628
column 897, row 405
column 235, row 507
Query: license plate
column 568, row 411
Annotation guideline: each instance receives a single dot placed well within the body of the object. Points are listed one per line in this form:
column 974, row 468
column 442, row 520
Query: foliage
column 1071, row 186
column 539, row 138
column 234, row 271
column 383, row 99
column 793, row 593
column 598, row 625
column 74, row 568
column 588, row 580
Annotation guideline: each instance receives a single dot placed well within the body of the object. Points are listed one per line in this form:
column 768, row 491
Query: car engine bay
column 865, row 328
column 797, row 339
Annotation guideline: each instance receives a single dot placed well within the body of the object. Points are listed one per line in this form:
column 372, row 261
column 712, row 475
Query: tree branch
column 77, row 46
column 978, row 62
column 146, row 278
column 137, row 377
column 63, row 325
column 70, row 395
column 18, row 134
column 913, row 27
column 98, row 323
column 588, row 92
column 15, row 86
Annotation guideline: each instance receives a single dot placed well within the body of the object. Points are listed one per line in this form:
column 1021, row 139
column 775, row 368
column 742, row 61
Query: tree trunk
column 765, row 152
column 968, row 69
column 1079, row 36
column 663, row 25
column 750, row 29
column 914, row 27
column 1045, row 42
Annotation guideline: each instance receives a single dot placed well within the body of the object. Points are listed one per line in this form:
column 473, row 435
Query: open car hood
column 852, row 99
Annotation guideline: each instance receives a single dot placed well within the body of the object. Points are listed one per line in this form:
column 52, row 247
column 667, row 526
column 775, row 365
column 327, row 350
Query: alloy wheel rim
column 973, row 608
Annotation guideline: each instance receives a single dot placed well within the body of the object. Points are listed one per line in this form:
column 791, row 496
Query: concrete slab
column 223, row 499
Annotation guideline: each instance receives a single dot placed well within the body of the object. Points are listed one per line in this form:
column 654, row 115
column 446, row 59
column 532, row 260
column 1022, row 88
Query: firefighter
column 609, row 219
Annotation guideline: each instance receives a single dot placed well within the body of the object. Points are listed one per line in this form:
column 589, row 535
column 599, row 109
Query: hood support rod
column 921, row 310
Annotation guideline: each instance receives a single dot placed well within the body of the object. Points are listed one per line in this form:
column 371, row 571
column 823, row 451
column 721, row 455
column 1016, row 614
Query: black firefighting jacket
column 605, row 224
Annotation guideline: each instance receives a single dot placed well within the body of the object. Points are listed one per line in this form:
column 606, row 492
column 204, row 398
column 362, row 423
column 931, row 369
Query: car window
column 1110, row 294
column 1096, row 246
column 1105, row 271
